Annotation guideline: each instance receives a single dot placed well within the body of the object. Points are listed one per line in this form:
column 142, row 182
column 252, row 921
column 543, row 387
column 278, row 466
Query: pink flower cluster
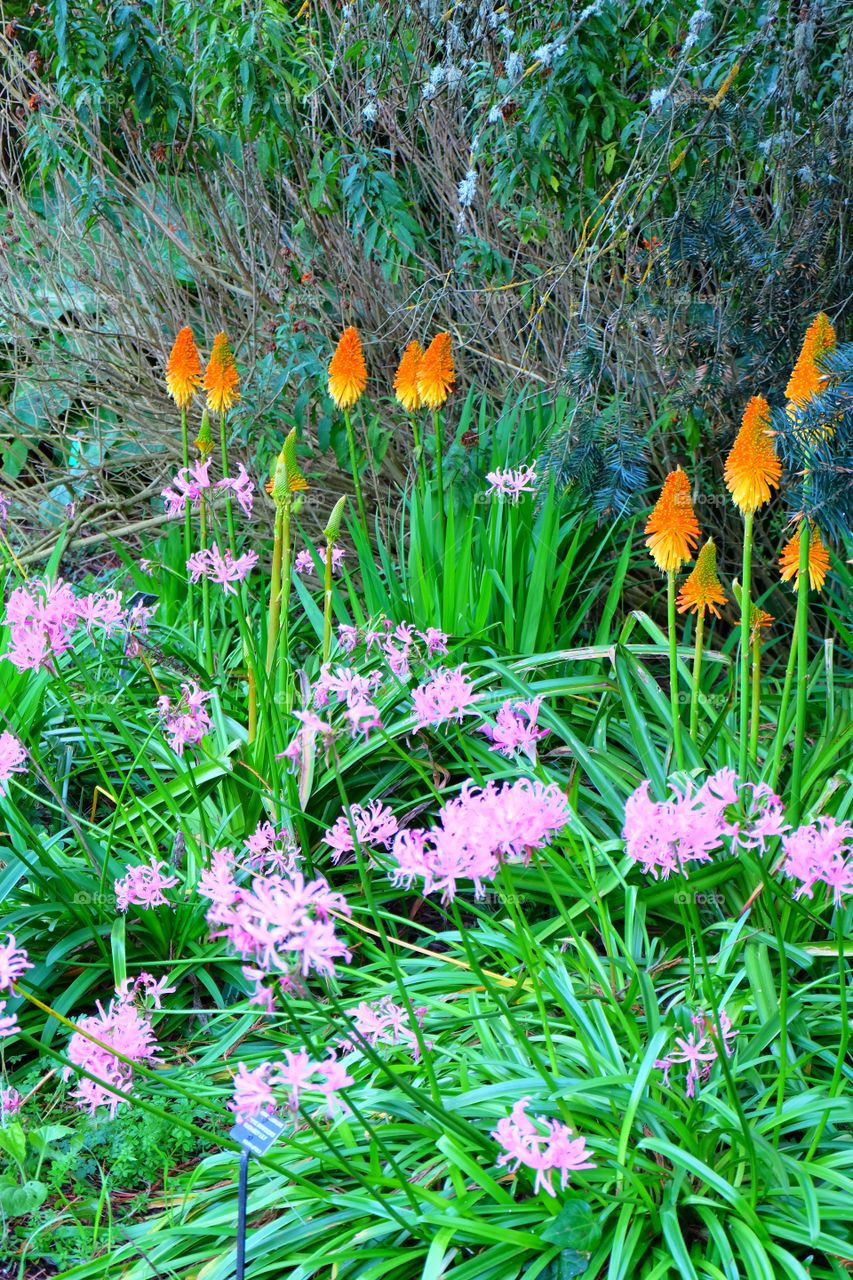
column 547, row 1153
column 384, row 1023
column 269, row 850
column 374, row 825
column 187, row 720
column 476, row 831
column 820, row 853
column 723, row 813
column 191, row 483
column 10, row 1102
column 400, row 645
column 447, row 695
column 14, row 962
column 515, row 729
column 221, row 567
column 12, row 757
column 304, row 562
column 254, row 1089
column 506, row 483
column 123, row 1028
column 348, row 688
column 144, row 886
column 697, row 1051
column 43, row 617
column 280, row 924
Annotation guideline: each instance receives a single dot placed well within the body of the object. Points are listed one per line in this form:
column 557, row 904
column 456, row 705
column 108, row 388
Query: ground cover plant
column 495, row 850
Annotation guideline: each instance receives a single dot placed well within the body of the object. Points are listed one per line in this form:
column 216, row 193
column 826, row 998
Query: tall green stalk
column 205, row 590
column 756, row 694
column 439, row 475
column 745, row 643
column 782, row 719
column 697, row 673
column 188, row 527
column 244, row 591
column 274, row 611
column 420, row 459
column 802, row 645
column 331, row 533
column 229, row 510
column 673, row 671
column 286, row 576
column 362, row 514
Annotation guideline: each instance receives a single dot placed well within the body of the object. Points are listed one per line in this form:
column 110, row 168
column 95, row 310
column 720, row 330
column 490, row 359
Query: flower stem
column 244, row 594
column 229, row 512
column 673, row 671
column 274, row 612
column 327, row 602
column 284, row 628
column 744, row 642
column 756, row 695
column 697, row 674
column 782, row 718
column 420, row 460
column 802, row 645
column 439, row 475
column 205, row 591
column 188, row 528
column 362, row 514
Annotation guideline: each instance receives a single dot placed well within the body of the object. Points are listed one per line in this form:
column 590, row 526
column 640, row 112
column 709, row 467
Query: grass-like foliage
column 524, row 904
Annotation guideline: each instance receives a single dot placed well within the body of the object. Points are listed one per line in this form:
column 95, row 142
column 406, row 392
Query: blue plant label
column 258, row 1134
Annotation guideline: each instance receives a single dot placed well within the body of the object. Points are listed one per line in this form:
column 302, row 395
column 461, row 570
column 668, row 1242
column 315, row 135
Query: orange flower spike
column 183, row 369
column 789, row 560
column 221, row 379
column 807, row 379
column 406, row 378
column 347, row 370
column 759, row 620
column 752, row 469
column 672, row 526
column 436, row 376
column 703, row 590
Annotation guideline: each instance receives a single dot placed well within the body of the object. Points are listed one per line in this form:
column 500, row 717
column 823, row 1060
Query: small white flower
column 495, row 115
column 453, row 77
column 514, row 66
column 467, row 189
column 658, row 98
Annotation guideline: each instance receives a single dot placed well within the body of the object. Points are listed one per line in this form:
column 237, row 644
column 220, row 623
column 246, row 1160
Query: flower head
column 821, row 852
column 759, row 620
column 672, row 526
column 446, row 695
column 14, row 962
column 436, row 377
column 144, row 885
column 221, row 567
column 126, row 1030
column 515, row 729
column 807, row 379
column 347, row 370
column 752, row 468
column 12, row 757
column 183, row 369
column 406, row 378
column 187, row 720
column 221, row 378
column 703, row 590
column 512, row 484
column 789, row 560
column 524, row 1143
